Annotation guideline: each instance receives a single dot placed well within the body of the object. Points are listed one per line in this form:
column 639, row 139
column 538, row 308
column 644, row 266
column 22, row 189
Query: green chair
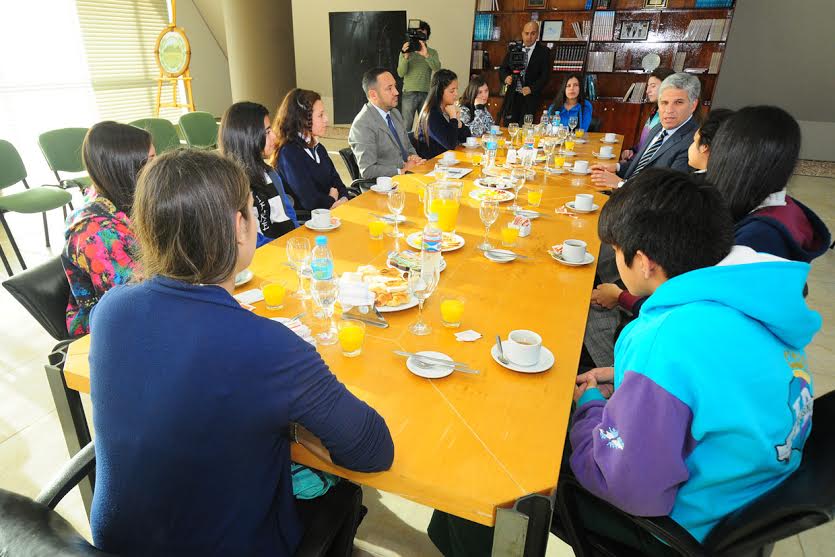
column 200, row 129
column 162, row 131
column 62, row 150
column 31, row 200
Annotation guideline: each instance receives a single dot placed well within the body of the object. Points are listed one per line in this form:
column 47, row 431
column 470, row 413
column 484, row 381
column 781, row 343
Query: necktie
column 403, row 152
column 649, row 153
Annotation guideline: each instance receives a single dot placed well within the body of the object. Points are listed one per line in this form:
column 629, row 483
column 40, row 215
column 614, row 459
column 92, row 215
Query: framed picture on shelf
column 551, row 30
column 537, row 3
column 634, row 30
column 655, row 3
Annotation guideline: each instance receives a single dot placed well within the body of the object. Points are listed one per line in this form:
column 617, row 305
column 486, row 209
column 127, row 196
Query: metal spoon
column 501, row 357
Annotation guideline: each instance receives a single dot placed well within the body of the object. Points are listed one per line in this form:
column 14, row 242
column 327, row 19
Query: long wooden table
column 464, row 444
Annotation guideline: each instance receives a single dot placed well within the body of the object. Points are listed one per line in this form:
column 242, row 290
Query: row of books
column 707, row 30
column 715, row 61
column 569, row 58
column 601, row 62
column 480, row 59
column 604, row 26
column 678, row 61
column 483, row 30
column 714, row 3
column 581, row 29
column 488, row 5
column 598, row 4
column 635, row 93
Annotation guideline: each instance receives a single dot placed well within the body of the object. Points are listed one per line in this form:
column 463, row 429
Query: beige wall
column 452, row 31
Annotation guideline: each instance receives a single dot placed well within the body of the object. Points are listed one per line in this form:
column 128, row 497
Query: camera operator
column 524, row 89
column 416, row 68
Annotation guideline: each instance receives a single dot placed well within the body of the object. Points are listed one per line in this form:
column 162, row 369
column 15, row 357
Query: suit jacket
column 537, row 72
column 373, row 144
column 672, row 154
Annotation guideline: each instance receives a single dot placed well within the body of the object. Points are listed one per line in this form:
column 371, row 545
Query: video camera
column 414, row 34
column 516, row 57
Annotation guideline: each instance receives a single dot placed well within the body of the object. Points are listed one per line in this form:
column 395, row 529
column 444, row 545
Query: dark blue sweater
column 444, row 135
column 191, row 396
column 309, row 181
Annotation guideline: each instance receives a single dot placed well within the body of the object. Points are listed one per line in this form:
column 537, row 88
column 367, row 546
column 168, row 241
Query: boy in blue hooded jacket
column 670, row 430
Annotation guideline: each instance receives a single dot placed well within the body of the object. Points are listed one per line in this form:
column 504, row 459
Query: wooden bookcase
column 667, row 31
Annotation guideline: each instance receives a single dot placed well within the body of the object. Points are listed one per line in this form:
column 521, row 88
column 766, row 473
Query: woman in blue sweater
column 571, row 102
column 194, row 396
column 439, row 124
column 301, row 160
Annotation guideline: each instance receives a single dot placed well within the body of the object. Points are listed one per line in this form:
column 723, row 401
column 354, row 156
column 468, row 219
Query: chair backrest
column 12, row 170
column 200, row 129
column 62, row 149
column 804, row 500
column 44, row 292
column 351, row 162
column 594, row 125
column 162, row 131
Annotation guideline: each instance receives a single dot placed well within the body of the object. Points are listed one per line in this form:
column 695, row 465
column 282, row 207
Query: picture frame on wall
column 551, row 30
column 635, row 30
column 537, row 4
column 655, row 4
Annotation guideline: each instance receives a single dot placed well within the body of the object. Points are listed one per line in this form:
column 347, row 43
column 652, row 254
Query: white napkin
column 250, row 296
column 467, row 336
column 295, row 325
column 353, row 292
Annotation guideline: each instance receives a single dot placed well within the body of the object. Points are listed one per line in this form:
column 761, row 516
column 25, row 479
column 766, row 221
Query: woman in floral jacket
column 101, row 250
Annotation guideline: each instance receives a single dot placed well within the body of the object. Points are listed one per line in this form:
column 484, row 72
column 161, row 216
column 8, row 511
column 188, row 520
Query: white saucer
column 528, row 214
column 434, row 372
column 609, row 142
column 570, row 207
column 557, row 171
column 382, row 191
column 243, row 277
column 568, row 154
column 599, row 156
column 580, row 173
column 558, row 258
column 546, row 360
column 499, row 259
column 580, row 140
column 333, row 226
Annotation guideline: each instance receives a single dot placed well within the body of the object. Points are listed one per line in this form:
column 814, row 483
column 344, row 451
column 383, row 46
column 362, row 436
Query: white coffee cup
column 384, row 183
column 320, row 218
column 523, row 347
column 584, row 202
column 610, row 137
column 606, row 151
column 449, row 157
column 574, row 251
column 581, row 167
column 472, row 141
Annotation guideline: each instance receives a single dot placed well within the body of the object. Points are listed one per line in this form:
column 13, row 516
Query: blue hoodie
column 713, row 396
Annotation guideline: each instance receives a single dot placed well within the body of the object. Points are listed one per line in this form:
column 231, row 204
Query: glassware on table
column 562, row 135
column 476, row 160
column 569, row 146
column 548, row 147
column 376, row 229
column 559, row 162
column 528, row 120
column 325, row 292
column 421, row 286
column 351, row 334
column 513, row 129
column 396, row 203
column 489, row 212
column 298, row 254
column 517, row 180
column 534, row 195
column 580, row 132
column 444, row 199
column 509, row 235
column 441, row 172
column 452, row 310
column 572, row 123
column 274, row 292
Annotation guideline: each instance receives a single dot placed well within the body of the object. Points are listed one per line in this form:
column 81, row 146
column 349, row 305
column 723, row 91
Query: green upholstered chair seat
column 36, row 200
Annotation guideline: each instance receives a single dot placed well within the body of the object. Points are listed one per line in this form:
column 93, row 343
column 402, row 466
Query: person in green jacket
column 416, row 69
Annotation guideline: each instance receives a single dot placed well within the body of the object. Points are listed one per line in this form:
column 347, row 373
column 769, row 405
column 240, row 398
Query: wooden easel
column 166, row 77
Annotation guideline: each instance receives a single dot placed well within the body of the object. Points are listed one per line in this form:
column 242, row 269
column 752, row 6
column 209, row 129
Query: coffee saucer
column 385, row 191
column 568, row 154
column 609, row 142
column 586, row 173
column 570, row 206
column 335, row 223
column 546, row 360
column 580, row 140
column 589, row 258
column 602, row 157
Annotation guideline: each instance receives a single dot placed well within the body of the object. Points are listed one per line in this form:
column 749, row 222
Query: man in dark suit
column 524, row 94
column 678, row 97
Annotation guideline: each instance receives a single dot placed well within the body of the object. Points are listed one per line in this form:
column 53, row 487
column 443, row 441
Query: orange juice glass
column 569, row 145
column 447, row 211
column 559, row 162
column 452, row 310
column 534, row 196
column 376, row 229
column 274, row 292
column 509, row 236
column 579, row 132
column 351, row 334
column 476, row 162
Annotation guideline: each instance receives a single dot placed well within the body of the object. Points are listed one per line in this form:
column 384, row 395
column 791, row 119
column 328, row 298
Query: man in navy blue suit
column 678, row 98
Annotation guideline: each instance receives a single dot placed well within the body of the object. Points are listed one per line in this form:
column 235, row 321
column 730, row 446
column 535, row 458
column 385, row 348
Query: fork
column 425, row 365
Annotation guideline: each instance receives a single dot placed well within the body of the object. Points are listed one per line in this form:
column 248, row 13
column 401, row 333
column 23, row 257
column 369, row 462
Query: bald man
column 525, row 92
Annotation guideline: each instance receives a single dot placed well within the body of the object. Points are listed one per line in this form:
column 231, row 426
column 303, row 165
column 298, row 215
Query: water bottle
column 430, row 251
column 321, row 262
column 530, row 139
column 544, row 120
column 491, row 145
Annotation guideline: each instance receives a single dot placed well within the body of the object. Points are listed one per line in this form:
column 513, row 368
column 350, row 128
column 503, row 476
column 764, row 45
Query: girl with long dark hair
column 571, row 102
column 439, row 126
column 474, row 113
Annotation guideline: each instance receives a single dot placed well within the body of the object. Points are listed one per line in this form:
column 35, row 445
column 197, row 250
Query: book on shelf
column 604, row 26
column 569, row 58
column 695, row 70
column 488, row 5
column 483, row 28
column 581, row 29
column 497, row 33
column 678, row 61
column 715, row 61
column 629, row 92
column 714, row 3
column 638, row 92
column 601, row 62
column 706, row 30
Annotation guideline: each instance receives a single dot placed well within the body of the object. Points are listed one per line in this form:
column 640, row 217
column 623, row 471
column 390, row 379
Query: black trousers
column 331, row 521
column 519, row 106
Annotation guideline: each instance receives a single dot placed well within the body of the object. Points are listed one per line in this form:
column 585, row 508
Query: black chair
column 359, row 184
column 44, row 292
column 804, row 500
column 5, row 262
column 594, row 125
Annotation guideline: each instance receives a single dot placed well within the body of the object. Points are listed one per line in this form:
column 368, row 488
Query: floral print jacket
column 100, row 253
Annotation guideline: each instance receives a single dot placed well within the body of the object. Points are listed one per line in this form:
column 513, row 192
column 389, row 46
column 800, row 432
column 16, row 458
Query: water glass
column 396, row 204
column 528, row 120
column 421, row 286
column 489, row 212
column 325, row 292
column 517, row 180
column 298, row 254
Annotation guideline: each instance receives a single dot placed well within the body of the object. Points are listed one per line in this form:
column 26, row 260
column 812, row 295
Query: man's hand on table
column 603, row 175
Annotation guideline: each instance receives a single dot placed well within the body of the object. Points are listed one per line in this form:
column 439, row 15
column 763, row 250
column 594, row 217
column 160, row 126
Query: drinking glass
column 452, row 310
column 548, row 147
column 562, row 135
column 351, row 335
column 441, row 172
column 528, row 119
column 534, row 195
column 298, row 254
column 513, row 129
column 324, row 293
column 273, row 292
column 421, row 286
column 489, row 212
column 517, row 179
column 396, row 203
column 572, row 123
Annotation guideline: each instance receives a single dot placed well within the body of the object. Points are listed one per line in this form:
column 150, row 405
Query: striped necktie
column 649, row 153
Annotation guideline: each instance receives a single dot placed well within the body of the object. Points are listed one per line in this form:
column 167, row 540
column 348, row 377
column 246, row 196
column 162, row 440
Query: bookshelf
column 687, row 35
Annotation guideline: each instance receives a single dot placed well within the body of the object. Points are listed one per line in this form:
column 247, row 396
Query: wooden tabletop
column 464, row 444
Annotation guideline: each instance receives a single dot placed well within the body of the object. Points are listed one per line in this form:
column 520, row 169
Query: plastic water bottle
column 491, row 145
column 321, row 262
column 430, row 251
column 530, row 139
column 544, row 120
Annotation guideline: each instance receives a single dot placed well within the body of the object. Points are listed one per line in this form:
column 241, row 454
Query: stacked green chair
column 199, row 129
column 162, row 131
column 31, row 200
column 62, row 150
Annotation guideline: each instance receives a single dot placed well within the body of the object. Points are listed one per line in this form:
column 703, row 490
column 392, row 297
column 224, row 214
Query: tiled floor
column 32, row 448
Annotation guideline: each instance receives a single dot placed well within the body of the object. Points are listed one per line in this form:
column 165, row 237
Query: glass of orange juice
column 534, row 195
column 569, row 145
column 477, row 160
column 351, row 334
column 376, row 228
column 274, row 292
column 452, row 310
column 559, row 162
column 509, row 235
column 579, row 132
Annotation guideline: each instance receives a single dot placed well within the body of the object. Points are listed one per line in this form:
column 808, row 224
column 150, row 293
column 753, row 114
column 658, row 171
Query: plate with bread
column 390, row 288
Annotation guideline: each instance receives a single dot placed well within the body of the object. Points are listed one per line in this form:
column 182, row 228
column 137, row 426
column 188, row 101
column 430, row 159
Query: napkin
column 353, row 292
column 295, row 325
column 467, row 336
column 250, row 296
column 454, row 172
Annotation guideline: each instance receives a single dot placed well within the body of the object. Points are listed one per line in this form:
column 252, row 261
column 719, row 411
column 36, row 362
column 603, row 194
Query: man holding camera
column 416, row 64
column 525, row 82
